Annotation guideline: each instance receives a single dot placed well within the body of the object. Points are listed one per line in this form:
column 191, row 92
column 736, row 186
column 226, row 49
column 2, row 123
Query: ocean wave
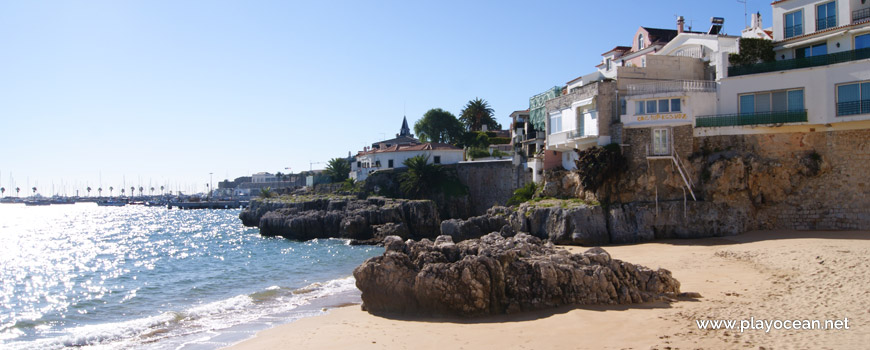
column 213, row 316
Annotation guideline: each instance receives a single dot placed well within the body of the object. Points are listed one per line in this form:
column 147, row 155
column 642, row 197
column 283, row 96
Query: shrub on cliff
column 523, row 194
column 752, row 51
column 596, row 164
column 424, row 180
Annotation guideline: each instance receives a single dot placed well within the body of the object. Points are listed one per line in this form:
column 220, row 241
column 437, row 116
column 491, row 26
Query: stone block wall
column 491, row 183
column 802, row 181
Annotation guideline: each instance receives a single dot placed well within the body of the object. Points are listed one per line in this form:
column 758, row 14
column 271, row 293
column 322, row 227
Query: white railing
column 564, row 136
column 671, row 86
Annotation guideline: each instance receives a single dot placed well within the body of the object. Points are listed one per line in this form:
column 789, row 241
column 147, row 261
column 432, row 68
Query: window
column 658, row 106
column 853, row 99
column 772, row 101
column 390, row 163
column 359, row 164
column 377, row 164
column 809, row 51
column 622, row 106
column 437, row 160
column 826, row 16
column 608, row 63
column 643, row 62
column 640, row 43
column 675, row 105
column 664, row 106
column 862, row 41
column 651, row 107
column 555, row 123
column 660, row 142
column 794, row 24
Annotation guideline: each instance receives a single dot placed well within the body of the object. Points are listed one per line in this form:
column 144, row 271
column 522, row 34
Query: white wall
column 447, row 157
column 818, row 83
column 844, row 14
column 692, row 104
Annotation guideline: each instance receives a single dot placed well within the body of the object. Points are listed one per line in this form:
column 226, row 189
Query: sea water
column 151, row 277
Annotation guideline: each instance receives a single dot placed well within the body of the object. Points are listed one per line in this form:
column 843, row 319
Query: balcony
column 826, row 22
column 794, row 30
column 796, row 116
column 797, row 63
column 860, row 15
column 853, row 108
column 671, row 86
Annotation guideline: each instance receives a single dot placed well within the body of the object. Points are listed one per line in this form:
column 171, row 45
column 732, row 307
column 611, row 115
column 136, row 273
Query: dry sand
column 768, row 275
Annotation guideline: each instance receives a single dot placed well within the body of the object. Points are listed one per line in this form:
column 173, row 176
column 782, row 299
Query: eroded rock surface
column 497, row 275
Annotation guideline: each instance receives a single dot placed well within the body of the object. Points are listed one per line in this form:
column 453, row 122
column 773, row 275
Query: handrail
column 671, row 86
column 797, row 63
column 794, row 116
column 859, row 15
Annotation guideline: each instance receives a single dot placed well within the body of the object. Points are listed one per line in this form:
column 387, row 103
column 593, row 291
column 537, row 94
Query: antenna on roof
column 745, row 25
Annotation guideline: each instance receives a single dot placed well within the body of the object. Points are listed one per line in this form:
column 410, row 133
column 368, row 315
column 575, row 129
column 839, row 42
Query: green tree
column 3, row 191
column 337, row 169
column 752, row 51
column 478, row 113
column 439, row 126
column 17, row 190
column 89, row 191
column 424, row 180
column 266, row 192
column 110, row 190
column 100, row 191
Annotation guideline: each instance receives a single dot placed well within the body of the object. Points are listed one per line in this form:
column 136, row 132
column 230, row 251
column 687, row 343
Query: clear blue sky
column 169, row 91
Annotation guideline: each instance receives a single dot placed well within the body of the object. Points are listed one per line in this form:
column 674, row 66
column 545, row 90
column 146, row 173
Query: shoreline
column 761, row 274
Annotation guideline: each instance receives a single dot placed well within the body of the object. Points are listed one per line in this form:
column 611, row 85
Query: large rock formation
column 496, row 275
column 360, row 219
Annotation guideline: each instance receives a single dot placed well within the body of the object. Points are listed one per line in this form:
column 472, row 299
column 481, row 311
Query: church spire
column 406, row 131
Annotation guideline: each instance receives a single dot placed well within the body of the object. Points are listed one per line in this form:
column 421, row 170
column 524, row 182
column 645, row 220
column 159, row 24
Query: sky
column 181, row 93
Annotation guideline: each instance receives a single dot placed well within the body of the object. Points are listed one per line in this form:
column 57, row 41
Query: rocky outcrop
column 366, row 220
column 497, row 275
column 571, row 222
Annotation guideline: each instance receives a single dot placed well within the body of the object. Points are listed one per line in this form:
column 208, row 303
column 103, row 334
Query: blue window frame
column 862, row 41
column 794, row 24
column 664, row 106
column 675, row 105
column 639, row 107
column 772, row 101
column 826, row 16
column 853, row 99
column 809, row 51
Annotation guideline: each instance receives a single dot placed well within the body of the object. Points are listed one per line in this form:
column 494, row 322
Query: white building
column 820, row 80
column 372, row 160
column 263, row 177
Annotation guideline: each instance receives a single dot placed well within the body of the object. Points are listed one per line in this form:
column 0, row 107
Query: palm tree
column 122, row 192
column 152, row 191
column 421, row 177
column 132, row 191
column 111, row 189
column 266, row 192
column 478, row 113
column 337, row 169
column 140, row 191
column 89, row 191
column 34, row 190
column 161, row 190
column 17, row 190
column 2, row 190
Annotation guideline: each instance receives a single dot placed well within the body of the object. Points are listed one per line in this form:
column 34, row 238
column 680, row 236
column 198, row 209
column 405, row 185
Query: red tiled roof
column 618, row 48
column 429, row 146
column 821, row 31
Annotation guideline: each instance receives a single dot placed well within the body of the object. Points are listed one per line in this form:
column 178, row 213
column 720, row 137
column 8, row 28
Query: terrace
column 780, row 117
column 797, row 63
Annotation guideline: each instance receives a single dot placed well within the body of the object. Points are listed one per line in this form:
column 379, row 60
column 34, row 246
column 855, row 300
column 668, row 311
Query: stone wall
column 803, row 181
column 491, row 182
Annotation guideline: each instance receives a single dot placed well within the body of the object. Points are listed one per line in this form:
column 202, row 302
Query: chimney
column 756, row 20
column 680, row 22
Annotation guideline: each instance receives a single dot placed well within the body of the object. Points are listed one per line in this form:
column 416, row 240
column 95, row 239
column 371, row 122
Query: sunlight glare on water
column 151, row 277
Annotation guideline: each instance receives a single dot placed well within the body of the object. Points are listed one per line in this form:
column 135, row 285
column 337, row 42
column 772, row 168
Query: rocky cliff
column 497, row 275
column 343, row 217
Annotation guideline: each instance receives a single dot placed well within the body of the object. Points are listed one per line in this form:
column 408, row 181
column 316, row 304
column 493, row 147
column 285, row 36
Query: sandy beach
column 761, row 275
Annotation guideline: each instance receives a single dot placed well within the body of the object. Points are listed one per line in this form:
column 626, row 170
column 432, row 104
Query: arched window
column 640, row 43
